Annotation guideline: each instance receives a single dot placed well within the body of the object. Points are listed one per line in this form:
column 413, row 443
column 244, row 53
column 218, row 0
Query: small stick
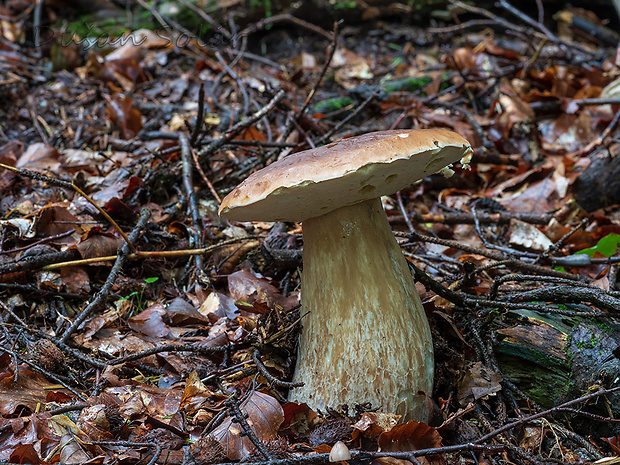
column 272, row 379
column 42, row 241
column 519, row 264
column 244, row 123
column 285, row 17
column 202, row 350
column 526, row 19
column 199, row 115
column 142, row 254
column 154, row 459
column 521, row 421
column 332, row 50
column 205, row 179
column 240, row 418
column 192, row 199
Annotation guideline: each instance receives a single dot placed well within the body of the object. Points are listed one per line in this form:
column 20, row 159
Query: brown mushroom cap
column 314, row 182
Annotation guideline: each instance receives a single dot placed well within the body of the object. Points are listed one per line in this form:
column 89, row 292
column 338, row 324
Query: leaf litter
column 178, row 348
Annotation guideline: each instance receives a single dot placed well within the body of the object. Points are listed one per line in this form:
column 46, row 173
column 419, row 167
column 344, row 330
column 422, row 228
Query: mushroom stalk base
column 366, row 337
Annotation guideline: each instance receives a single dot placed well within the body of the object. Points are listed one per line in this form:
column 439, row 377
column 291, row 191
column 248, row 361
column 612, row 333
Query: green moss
column 543, row 379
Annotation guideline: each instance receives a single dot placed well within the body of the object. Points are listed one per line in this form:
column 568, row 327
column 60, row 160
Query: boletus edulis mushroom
column 365, row 337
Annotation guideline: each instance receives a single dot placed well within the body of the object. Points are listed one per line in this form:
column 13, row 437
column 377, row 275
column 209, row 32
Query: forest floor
column 139, row 327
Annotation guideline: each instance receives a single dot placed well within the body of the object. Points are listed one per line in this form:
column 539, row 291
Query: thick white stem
column 366, row 337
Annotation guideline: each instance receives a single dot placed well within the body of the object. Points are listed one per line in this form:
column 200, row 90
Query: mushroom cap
column 311, row 183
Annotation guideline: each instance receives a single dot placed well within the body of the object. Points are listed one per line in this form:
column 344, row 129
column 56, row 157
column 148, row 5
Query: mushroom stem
column 366, row 337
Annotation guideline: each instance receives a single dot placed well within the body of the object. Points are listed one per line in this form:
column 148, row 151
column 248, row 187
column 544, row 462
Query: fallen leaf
column 478, row 382
column 413, row 435
column 264, row 416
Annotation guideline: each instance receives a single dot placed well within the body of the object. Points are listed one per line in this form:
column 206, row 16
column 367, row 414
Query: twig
column 192, row 200
column 595, row 296
column 434, row 286
column 145, row 254
column 325, row 137
column 469, row 117
column 333, row 46
column 41, row 241
column 167, row 348
column 36, row 25
column 228, row 70
column 37, row 261
column 518, row 264
column 199, row 115
column 364, row 456
column 461, row 217
column 69, row 408
column 478, row 303
column 461, row 26
column 521, row 421
column 217, row 26
column 520, row 277
column 510, row 26
column 526, row 19
column 244, row 123
column 240, row 418
column 284, row 18
column 101, row 296
column 153, row 461
column 66, row 349
column 592, row 416
column 401, row 206
column 270, row 378
column 10, row 311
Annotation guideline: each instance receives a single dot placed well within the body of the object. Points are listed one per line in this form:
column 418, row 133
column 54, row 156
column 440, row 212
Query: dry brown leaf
column 75, row 279
column 150, row 322
column 478, row 382
column 391, row 461
column 245, row 286
column 122, row 113
column 99, row 245
column 218, row 305
column 372, row 424
column 413, row 435
column 30, row 389
column 94, row 423
column 179, row 312
column 54, row 220
column 40, row 157
column 298, row 420
column 265, row 415
column 197, row 396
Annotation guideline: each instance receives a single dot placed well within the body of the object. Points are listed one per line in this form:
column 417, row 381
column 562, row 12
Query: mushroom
column 365, row 337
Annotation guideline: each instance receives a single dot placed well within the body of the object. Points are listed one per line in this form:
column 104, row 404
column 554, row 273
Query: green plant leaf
column 606, row 246
column 151, row 280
